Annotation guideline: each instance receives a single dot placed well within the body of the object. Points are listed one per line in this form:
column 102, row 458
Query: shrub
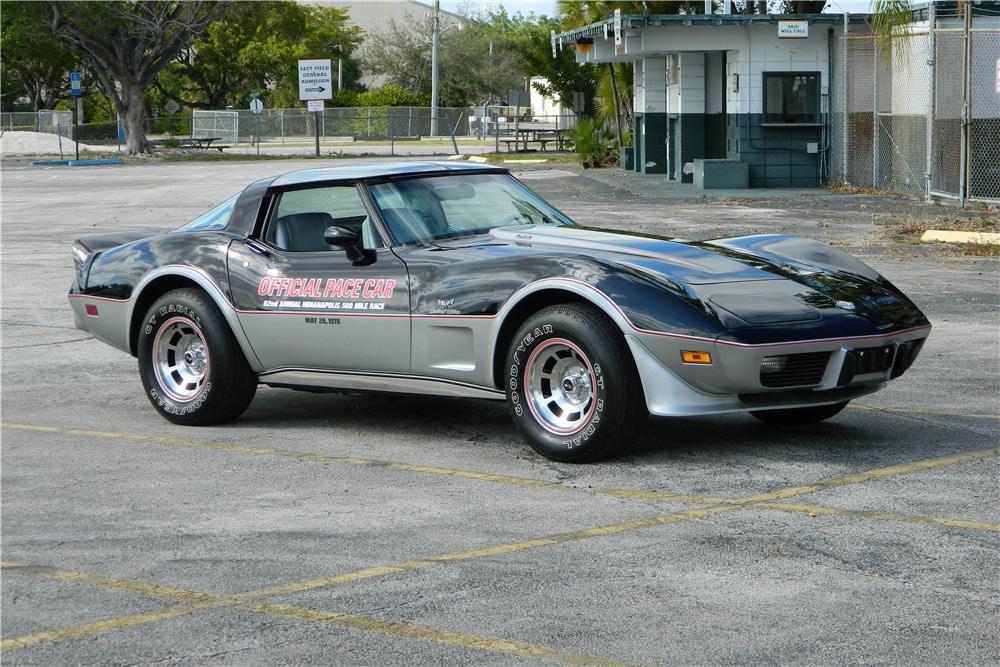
column 595, row 144
column 389, row 95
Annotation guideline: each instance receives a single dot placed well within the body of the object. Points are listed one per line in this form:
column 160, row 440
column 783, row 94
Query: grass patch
column 215, row 156
column 909, row 230
column 916, row 227
column 561, row 158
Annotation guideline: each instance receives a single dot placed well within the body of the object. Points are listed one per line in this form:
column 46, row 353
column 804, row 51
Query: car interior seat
column 302, row 232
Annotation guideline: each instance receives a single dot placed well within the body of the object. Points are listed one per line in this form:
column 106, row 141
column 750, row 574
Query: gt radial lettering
column 319, row 288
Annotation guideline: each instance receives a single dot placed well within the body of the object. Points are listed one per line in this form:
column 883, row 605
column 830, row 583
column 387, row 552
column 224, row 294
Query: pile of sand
column 40, row 143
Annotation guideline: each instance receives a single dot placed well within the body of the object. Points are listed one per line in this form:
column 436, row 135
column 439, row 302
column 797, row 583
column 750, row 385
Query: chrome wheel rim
column 180, row 359
column 559, row 383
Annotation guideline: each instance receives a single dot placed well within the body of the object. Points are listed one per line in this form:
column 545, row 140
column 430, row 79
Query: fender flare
column 584, row 290
column 214, row 292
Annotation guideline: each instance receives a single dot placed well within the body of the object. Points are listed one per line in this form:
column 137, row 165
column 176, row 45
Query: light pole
column 434, row 68
column 340, row 68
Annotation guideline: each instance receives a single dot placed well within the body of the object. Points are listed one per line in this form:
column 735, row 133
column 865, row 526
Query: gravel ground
column 380, row 530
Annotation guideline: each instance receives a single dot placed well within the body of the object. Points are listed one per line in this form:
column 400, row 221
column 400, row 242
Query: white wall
column 762, row 51
column 713, row 82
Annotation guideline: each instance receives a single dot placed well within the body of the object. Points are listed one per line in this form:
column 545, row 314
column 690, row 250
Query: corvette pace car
column 457, row 280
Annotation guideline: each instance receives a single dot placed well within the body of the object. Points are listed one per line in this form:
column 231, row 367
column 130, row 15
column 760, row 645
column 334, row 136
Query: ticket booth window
column 791, row 98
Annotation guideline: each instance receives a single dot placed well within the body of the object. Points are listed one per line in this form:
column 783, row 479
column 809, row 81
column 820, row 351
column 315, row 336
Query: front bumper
column 733, row 381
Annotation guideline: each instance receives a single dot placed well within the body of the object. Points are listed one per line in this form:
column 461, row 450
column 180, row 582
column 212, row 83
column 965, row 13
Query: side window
column 302, row 216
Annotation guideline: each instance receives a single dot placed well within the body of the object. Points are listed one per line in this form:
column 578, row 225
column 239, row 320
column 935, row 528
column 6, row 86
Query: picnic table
column 203, row 143
column 526, row 132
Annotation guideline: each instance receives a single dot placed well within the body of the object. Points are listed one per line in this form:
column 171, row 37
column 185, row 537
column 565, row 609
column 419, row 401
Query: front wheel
column 572, row 386
column 799, row 416
column 191, row 366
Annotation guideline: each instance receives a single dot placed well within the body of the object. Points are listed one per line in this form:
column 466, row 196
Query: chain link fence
column 50, row 122
column 284, row 126
column 925, row 121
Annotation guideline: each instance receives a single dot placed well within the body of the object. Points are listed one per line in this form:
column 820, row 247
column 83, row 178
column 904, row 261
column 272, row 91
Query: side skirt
column 321, row 380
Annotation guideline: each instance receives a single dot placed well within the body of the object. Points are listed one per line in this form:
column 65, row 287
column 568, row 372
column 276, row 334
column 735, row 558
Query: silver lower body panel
column 377, row 382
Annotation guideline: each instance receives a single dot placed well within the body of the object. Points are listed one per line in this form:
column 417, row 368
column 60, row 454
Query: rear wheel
column 572, row 386
column 191, row 366
column 799, row 416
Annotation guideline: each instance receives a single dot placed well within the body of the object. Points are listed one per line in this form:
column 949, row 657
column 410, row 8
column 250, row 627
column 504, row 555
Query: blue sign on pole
column 74, row 83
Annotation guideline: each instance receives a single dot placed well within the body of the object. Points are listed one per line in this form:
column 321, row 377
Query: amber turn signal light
column 689, row 357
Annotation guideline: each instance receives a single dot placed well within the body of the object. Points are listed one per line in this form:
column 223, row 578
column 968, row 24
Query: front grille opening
column 864, row 361
column 794, row 370
column 874, row 359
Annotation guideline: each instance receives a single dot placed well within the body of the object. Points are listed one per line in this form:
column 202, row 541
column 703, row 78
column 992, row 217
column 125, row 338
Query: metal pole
column 340, row 71
column 963, row 174
column 76, row 134
column 258, row 132
column 451, row 130
column 845, row 101
column 928, row 179
column 316, row 124
column 875, row 141
column 434, row 67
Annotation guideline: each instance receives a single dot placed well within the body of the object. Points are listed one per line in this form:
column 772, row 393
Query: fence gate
column 949, row 92
column 222, row 124
column 984, row 113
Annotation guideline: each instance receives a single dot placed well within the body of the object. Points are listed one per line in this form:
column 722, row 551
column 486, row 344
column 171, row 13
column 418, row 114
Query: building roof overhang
column 605, row 26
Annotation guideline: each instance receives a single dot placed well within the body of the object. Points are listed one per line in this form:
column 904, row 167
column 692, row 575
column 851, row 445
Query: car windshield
column 217, row 218
column 422, row 210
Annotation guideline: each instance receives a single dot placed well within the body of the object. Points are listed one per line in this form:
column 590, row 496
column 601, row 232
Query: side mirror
column 351, row 243
column 340, row 236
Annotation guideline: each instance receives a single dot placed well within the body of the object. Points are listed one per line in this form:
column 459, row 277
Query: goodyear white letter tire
column 572, row 386
column 191, row 366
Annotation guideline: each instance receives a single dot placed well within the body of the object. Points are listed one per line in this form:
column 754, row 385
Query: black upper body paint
column 755, row 289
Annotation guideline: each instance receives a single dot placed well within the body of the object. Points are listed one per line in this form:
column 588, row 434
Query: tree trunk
column 614, row 93
column 129, row 107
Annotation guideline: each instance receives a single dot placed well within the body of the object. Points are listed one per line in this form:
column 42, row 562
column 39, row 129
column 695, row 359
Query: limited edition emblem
column 845, row 305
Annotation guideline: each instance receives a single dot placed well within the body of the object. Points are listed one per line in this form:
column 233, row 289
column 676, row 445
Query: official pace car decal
column 318, row 293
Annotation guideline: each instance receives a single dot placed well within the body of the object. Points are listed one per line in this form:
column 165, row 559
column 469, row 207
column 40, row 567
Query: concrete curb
column 77, row 163
column 944, row 236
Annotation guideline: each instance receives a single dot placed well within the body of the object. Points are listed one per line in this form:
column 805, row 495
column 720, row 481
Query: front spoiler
column 669, row 395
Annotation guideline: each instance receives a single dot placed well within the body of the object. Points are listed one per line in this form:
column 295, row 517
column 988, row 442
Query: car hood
column 761, row 280
column 689, row 263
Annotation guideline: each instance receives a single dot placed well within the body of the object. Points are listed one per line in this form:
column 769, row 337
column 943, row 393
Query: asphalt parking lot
column 350, row 529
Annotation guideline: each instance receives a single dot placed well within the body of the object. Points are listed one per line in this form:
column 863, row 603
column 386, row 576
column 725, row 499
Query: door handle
column 259, row 249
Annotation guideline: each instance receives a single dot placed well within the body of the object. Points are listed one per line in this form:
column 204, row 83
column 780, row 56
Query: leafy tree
column 255, row 46
column 470, row 72
column 126, row 43
column 530, row 38
column 34, row 64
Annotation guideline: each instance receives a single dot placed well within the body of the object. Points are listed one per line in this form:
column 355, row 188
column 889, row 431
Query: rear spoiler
column 87, row 248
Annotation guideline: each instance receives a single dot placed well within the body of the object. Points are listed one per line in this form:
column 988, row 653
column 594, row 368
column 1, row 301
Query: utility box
column 721, row 174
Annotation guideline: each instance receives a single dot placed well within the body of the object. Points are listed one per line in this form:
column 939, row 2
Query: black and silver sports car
column 457, row 280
